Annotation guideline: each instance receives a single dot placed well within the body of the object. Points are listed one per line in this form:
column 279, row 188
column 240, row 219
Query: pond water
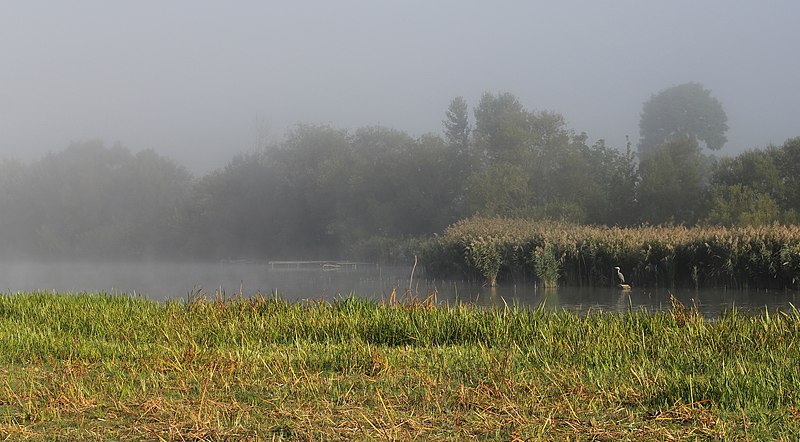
column 164, row 281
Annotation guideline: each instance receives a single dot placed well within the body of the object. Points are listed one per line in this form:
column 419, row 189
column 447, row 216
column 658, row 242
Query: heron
column 621, row 280
column 620, row 276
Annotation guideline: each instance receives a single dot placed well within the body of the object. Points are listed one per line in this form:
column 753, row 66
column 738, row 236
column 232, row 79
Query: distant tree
column 286, row 201
column 502, row 128
column 535, row 166
column 460, row 158
column 157, row 189
column 233, row 210
column 562, row 177
column 788, row 160
column 671, row 183
column 560, row 172
column 548, row 132
column 752, row 186
column 499, row 182
column 428, row 195
column 456, row 126
column 317, row 163
column 499, row 190
column 15, row 223
column 612, row 198
column 684, row 111
column 381, row 175
column 93, row 201
column 739, row 204
column 757, row 169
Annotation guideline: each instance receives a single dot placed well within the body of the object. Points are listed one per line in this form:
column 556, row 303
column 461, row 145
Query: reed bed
column 94, row 366
column 559, row 252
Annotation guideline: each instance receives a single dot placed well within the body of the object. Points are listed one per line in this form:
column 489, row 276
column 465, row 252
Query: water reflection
column 584, row 299
column 162, row 281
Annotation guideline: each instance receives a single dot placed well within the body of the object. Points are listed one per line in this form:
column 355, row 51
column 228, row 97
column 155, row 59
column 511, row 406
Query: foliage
column 90, row 200
column 757, row 186
column 502, row 128
column 616, row 203
column 326, row 193
column 788, row 160
column 741, row 205
column 684, row 111
column 532, row 165
column 755, row 169
column 671, row 183
column 456, row 126
column 499, row 190
column 93, row 366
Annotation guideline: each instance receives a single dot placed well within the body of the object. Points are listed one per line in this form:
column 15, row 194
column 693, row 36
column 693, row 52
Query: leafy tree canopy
column 456, row 124
column 687, row 110
column 671, row 186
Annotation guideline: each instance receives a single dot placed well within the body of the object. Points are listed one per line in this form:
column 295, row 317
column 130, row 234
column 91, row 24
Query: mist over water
column 175, row 280
column 314, row 131
column 162, row 281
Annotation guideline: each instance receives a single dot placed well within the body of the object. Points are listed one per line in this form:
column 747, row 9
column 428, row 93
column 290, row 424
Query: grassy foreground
column 108, row 367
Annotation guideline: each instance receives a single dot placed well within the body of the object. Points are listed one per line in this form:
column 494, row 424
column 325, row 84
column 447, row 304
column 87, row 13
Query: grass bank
column 96, row 366
column 557, row 252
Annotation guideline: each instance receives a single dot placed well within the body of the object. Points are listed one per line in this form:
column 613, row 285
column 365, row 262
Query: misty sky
column 199, row 81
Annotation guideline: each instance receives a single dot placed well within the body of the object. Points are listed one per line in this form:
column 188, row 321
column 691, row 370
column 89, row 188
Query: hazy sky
column 198, row 80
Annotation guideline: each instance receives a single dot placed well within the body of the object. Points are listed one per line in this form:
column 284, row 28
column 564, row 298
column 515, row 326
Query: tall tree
column 456, row 125
column 789, row 164
column 684, row 111
column 16, row 219
column 606, row 188
column 318, row 162
column 502, row 128
column 671, row 186
column 499, row 190
column 739, row 204
column 93, row 201
column 460, row 157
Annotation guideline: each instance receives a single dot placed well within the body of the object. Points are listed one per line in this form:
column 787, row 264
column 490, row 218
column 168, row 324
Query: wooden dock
column 319, row 265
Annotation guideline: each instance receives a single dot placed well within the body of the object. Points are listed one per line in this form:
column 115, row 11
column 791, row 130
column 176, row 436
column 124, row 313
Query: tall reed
column 738, row 257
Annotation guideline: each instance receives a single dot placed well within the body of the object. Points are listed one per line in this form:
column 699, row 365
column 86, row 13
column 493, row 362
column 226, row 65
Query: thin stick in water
column 411, row 280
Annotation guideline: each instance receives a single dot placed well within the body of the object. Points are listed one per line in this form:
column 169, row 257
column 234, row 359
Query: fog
column 201, row 81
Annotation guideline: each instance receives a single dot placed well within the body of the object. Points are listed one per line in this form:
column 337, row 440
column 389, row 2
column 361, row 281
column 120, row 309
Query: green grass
column 94, row 366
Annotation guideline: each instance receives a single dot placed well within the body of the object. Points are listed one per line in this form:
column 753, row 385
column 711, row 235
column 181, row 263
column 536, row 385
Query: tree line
column 325, row 192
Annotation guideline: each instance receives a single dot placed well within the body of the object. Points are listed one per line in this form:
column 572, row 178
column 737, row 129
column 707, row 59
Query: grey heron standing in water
column 620, row 276
column 621, row 280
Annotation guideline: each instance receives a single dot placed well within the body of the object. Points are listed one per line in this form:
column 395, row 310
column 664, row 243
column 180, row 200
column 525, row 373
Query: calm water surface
column 164, row 281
